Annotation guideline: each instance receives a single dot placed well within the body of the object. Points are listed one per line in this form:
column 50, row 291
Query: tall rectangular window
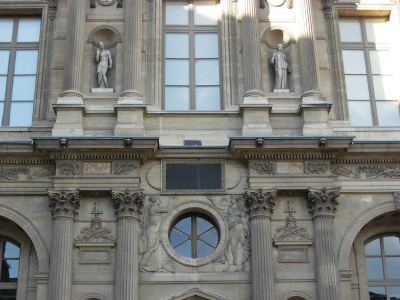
column 192, row 68
column 368, row 61
column 19, row 47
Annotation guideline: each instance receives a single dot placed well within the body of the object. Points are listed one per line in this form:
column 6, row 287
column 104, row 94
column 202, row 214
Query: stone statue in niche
column 150, row 237
column 104, row 62
column 282, row 69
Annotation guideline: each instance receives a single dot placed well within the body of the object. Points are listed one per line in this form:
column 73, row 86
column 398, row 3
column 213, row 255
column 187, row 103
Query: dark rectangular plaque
column 194, row 176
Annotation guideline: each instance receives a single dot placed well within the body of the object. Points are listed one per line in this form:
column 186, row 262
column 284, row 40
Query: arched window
column 382, row 255
column 10, row 252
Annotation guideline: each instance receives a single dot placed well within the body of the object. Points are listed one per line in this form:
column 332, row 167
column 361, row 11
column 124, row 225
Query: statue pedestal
column 101, row 90
column 280, row 91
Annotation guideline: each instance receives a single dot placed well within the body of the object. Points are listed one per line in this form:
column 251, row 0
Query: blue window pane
column 11, row 251
column 177, row 98
column 10, row 266
column 176, row 45
column 202, row 225
column 360, row 113
column 208, row 98
column 23, row 87
column 373, row 247
column 177, row 237
column 207, row 72
column 176, row 72
column 210, row 237
column 203, row 249
column 26, row 62
column 374, row 268
column 21, row 114
column 185, row 249
column 377, row 293
column 1, row 112
column 176, row 13
column 4, row 59
column 28, row 30
column 392, row 245
column 185, row 225
column 394, row 292
column 3, row 86
column 206, row 45
column 388, row 113
column 393, row 267
column 6, row 29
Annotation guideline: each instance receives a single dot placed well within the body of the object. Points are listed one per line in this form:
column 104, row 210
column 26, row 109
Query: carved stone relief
column 396, row 196
column 260, row 202
column 284, row 167
column 123, row 167
column 263, row 168
column 64, row 203
column 323, row 201
column 152, row 259
column 12, row 173
column 96, row 168
column 127, row 203
column 237, row 251
column 116, row 168
column 69, row 169
column 368, row 171
column 317, row 168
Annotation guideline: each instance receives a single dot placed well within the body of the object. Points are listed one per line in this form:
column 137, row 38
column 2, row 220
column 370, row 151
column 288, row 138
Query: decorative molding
column 291, row 232
column 106, row 2
column 260, row 202
column 97, row 157
column 67, row 169
column 380, row 172
column 293, row 254
column 367, row 160
column 92, row 3
column 123, row 167
column 127, row 203
column 12, row 173
column 345, row 172
column 264, row 168
column 63, row 143
column 317, row 168
column 94, row 256
column 95, row 233
column 396, row 196
column 283, row 156
column 45, row 172
column 289, row 4
column 322, row 201
column 233, row 61
column 127, row 143
column 63, row 203
column 327, row 8
column 120, row 3
column 322, row 142
column 259, row 142
column 52, row 10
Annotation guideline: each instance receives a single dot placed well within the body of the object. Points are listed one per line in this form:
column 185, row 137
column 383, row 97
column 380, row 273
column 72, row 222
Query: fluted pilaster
column 63, row 206
column 128, row 208
column 260, row 206
column 309, row 70
column 74, row 52
column 251, row 49
column 322, row 204
column 132, row 69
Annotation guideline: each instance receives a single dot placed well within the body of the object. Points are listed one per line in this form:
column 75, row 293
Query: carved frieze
column 345, row 172
column 95, row 233
column 290, row 167
column 368, row 171
column 63, row 203
column 396, row 196
column 123, row 167
column 128, row 203
column 290, row 231
column 260, row 202
column 322, row 201
column 264, row 167
column 96, row 168
column 52, row 9
column 12, row 173
column 317, row 168
column 45, row 172
column 69, row 169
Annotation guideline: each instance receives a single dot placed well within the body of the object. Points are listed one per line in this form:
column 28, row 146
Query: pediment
column 196, row 294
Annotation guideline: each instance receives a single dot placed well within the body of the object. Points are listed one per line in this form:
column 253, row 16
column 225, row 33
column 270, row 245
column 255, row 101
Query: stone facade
column 92, row 190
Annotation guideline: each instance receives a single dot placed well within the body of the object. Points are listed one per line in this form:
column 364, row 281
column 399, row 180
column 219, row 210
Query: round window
column 194, row 235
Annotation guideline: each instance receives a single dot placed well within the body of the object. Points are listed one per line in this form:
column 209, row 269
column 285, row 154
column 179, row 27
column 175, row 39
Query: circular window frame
column 203, row 209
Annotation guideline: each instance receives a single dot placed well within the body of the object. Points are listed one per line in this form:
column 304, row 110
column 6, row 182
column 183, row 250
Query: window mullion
column 192, row 66
column 194, row 236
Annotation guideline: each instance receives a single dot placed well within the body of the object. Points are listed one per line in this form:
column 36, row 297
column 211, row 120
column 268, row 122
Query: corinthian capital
column 322, row 201
column 260, row 202
column 127, row 203
column 63, row 203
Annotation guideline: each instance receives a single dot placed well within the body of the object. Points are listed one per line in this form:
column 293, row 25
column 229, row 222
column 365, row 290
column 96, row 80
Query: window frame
column 13, row 47
column 191, row 29
column 366, row 47
column 12, row 284
column 382, row 282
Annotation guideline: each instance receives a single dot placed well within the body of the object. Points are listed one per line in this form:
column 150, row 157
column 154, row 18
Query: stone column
column 308, row 64
column 260, row 206
column 74, row 53
column 251, row 49
column 63, row 206
column 322, row 205
column 128, row 208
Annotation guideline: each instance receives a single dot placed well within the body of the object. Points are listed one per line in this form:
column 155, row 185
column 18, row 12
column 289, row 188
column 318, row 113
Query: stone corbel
column 130, row 114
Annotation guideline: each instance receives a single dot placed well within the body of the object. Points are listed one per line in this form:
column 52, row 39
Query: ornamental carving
column 127, row 203
column 73, row 168
column 263, row 168
column 396, row 196
column 123, row 167
column 380, row 172
column 96, row 233
column 322, row 202
column 260, row 202
column 316, row 168
column 64, row 203
column 345, row 172
column 12, row 173
column 52, row 10
column 291, row 232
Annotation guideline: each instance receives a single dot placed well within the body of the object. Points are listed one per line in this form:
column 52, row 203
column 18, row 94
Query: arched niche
column 277, row 35
column 93, row 296
column 295, row 296
column 111, row 37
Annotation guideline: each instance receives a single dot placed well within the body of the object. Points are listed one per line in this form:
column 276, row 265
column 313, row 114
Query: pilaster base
column 255, row 112
column 315, row 117
column 69, row 121
column 130, row 112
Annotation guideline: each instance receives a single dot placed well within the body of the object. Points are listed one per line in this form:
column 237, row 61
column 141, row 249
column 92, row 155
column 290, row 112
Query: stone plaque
column 284, row 167
column 293, row 255
column 94, row 257
column 96, row 168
